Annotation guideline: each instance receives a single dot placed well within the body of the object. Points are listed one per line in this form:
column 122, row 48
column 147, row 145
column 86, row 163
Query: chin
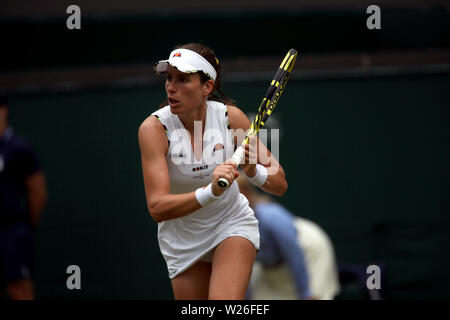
column 175, row 110
column 179, row 108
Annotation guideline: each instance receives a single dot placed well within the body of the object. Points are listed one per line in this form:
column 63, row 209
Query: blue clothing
column 17, row 252
column 17, row 162
column 279, row 244
column 17, row 245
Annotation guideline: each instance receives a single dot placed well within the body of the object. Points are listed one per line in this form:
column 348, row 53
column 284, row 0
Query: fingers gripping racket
column 266, row 107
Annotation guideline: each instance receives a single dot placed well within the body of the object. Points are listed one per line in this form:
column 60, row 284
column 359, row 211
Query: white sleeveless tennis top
column 186, row 240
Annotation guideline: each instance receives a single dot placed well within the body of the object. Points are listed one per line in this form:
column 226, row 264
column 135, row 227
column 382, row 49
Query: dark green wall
column 47, row 43
column 367, row 159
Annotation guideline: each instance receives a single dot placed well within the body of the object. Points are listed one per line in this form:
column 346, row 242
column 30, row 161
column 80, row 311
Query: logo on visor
column 176, row 55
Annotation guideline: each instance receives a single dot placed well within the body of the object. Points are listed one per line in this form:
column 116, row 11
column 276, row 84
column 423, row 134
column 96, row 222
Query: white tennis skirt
column 192, row 238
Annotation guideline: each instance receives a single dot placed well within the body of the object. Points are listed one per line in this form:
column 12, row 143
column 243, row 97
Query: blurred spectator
column 23, row 195
column 296, row 258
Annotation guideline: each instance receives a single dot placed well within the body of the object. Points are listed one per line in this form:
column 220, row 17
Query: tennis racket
column 266, row 107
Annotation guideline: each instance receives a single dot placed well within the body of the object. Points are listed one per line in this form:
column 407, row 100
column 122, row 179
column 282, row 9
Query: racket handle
column 237, row 158
column 223, row 183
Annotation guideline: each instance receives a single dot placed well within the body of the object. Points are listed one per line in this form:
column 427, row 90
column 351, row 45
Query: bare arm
column 276, row 180
column 161, row 204
column 36, row 196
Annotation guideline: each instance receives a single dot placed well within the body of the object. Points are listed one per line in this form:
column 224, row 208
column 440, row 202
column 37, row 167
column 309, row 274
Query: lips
column 173, row 101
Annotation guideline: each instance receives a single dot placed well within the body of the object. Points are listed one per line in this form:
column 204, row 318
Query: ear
column 208, row 87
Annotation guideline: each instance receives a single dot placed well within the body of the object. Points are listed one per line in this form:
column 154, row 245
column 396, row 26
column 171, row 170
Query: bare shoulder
column 152, row 134
column 237, row 118
column 235, row 111
column 150, row 127
column 150, row 123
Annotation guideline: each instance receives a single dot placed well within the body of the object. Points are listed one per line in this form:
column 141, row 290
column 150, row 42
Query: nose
column 170, row 86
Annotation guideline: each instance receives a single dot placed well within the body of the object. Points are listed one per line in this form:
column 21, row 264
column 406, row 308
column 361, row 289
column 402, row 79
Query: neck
column 198, row 114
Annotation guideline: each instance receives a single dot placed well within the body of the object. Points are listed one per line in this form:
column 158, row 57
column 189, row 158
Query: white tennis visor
column 186, row 61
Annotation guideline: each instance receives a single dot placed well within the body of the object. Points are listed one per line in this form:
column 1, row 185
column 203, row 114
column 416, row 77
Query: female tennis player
column 208, row 236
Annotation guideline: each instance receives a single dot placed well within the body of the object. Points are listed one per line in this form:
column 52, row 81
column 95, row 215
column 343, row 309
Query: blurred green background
column 366, row 155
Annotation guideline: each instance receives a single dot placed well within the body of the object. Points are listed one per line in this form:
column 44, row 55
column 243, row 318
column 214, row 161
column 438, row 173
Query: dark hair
column 208, row 54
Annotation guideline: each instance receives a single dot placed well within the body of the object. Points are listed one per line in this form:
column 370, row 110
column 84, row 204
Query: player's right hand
column 226, row 170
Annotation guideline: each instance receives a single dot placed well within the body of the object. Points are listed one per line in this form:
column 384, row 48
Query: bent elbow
column 156, row 218
column 283, row 189
column 156, row 213
column 285, row 186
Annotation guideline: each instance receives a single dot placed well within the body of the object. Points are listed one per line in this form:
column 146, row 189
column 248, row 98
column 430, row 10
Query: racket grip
column 223, row 183
column 237, row 158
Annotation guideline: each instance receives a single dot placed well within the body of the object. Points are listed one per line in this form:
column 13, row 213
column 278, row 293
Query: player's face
column 185, row 92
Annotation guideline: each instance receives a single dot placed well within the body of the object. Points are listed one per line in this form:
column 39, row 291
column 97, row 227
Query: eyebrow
column 176, row 72
column 171, row 69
